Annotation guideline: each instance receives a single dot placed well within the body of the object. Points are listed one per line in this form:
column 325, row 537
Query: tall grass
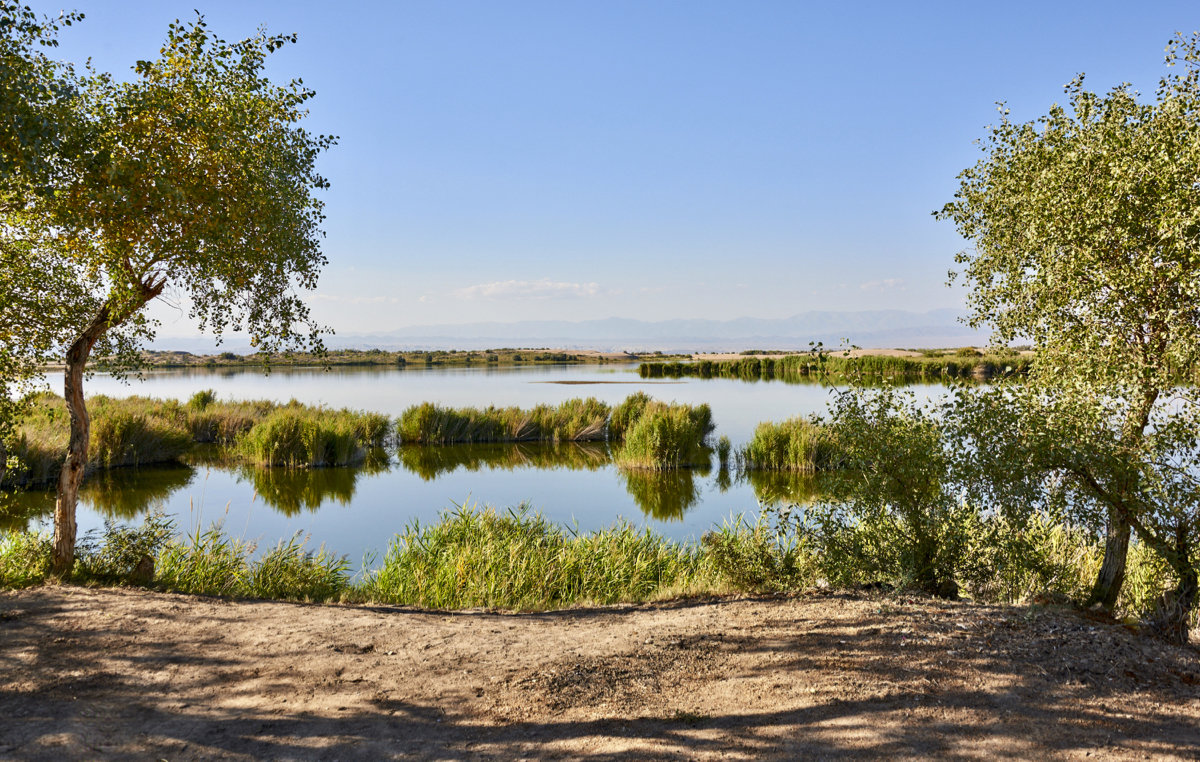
column 575, row 420
column 519, row 560
column 299, row 437
column 799, row 444
column 139, row 431
column 667, row 436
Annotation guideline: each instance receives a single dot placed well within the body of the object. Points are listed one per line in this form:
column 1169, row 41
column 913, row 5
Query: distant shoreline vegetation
column 383, row 358
column 931, row 366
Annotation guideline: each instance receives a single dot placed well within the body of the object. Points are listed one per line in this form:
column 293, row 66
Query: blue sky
column 651, row 159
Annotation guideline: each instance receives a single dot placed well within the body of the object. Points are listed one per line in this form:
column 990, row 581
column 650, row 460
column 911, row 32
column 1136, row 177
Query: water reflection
column 433, row 461
column 786, row 487
column 121, row 493
column 664, row 495
column 291, row 491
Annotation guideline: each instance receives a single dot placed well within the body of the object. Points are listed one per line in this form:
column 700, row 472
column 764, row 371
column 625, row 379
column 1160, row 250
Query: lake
column 357, row 510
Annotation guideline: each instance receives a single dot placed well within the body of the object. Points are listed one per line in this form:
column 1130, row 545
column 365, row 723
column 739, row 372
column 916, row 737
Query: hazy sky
column 649, row 159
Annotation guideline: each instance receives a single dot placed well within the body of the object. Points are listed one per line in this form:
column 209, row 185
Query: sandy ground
column 132, row 674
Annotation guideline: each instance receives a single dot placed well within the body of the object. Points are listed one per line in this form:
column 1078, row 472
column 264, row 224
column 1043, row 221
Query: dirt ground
column 134, row 674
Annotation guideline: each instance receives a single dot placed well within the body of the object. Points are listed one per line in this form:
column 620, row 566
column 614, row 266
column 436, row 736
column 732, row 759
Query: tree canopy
column 191, row 181
column 1085, row 226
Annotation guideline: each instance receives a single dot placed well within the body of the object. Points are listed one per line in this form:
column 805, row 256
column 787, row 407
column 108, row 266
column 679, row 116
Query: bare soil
column 134, row 674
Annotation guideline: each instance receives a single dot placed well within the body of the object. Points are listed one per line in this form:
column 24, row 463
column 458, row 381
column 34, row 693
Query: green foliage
column 761, row 556
column 624, row 415
column 121, row 438
column 800, row 444
column 121, row 552
column 891, row 512
column 206, row 563
column 518, row 560
column 666, row 437
column 202, row 399
column 289, row 571
column 1083, row 231
column 807, row 367
column 574, row 421
column 24, row 559
column 301, row 438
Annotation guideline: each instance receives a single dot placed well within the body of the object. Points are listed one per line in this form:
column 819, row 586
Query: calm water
column 357, row 510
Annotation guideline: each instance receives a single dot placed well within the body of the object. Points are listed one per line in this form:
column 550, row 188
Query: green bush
column 760, row 556
column 24, row 558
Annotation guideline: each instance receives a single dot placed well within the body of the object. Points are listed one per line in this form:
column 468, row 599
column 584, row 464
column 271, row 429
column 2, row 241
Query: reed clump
column 666, row 436
column 799, row 444
column 519, row 560
column 576, row 420
column 304, row 437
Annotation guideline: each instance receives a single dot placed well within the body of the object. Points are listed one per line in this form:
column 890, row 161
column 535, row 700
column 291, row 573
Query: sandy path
column 130, row 674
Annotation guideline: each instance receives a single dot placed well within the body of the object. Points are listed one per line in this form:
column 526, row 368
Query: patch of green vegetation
column 519, row 560
column 667, row 436
column 303, row 437
column 811, row 366
column 803, row 445
column 576, row 420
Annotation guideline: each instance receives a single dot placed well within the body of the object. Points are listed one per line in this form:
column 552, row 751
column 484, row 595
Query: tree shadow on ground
column 966, row 681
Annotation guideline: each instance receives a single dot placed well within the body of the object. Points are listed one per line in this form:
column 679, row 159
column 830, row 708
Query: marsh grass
column 304, row 437
column 667, row 436
column 516, row 559
column 802, row 445
column 934, row 366
column 519, row 560
column 576, row 420
column 140, row 431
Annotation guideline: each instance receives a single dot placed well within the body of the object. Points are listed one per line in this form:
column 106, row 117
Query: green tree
column 36, row 94
column 1085, row 225
column 195, row 182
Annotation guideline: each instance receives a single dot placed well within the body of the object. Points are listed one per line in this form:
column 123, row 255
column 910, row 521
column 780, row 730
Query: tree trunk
column 3, row 460
column 1116, row 542
column 1112, row 571
column 63, row 557
column 1174, row 613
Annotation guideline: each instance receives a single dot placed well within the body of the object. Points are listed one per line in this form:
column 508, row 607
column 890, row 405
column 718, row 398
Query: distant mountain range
column 871, row 328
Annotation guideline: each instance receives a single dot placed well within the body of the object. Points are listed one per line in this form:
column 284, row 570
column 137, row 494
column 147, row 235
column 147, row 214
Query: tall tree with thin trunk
column 36, row 95
column 191, row 182
column 1085, row 226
